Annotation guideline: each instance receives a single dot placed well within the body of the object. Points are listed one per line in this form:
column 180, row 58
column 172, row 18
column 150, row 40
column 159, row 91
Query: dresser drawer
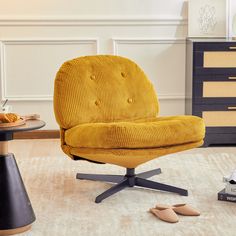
column 216, row 59
column 217, row 115
column 219, row 118
column 215, row 92
column 219, row 58
column 217, row 89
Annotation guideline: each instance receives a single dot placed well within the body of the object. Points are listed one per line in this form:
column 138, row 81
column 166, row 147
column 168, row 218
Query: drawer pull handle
column 232, row 77
column 232, row 48
column 231, row 108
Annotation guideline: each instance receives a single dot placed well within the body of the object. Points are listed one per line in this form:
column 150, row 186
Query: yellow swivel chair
column 107, row 111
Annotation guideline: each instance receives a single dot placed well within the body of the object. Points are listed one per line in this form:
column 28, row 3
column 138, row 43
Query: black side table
column 16, row 212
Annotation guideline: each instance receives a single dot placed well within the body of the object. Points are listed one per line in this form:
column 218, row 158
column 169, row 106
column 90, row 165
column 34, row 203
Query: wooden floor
column 65, row 206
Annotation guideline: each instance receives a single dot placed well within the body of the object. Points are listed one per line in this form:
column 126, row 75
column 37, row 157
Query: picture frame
column 208, row 18
column 232, row 19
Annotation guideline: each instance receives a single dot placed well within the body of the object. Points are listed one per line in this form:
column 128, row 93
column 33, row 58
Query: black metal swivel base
column 130, row 180
column 16, row 212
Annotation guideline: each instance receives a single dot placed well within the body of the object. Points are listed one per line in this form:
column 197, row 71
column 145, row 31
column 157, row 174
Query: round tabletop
column 29, row 125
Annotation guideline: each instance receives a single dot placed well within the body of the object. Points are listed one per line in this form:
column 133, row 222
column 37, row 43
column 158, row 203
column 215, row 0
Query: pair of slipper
column 169, row 213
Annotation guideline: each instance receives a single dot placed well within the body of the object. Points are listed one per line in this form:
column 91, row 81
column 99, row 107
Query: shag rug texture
column 64, row 206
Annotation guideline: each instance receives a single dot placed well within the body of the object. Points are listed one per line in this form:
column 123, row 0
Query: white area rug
column 65, row 206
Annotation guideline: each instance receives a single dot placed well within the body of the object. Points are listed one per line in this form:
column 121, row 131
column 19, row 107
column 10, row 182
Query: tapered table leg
column 16, row 212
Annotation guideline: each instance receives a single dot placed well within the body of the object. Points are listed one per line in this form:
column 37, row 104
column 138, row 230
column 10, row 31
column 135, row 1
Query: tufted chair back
column 102, row 89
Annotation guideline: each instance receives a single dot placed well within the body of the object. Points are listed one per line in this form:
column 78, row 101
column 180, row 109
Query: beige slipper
column 182, row 209
column 167, row 215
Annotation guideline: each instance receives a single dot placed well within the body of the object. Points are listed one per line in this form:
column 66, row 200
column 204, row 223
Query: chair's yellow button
column 130, row 100
column 123, row 74
column 92, row 77
column 97, row 102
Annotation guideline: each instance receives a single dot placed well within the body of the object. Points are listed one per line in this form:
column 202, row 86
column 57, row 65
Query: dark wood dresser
column 211, row 87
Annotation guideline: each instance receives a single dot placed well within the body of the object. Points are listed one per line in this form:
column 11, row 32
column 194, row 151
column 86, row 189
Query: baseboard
column 38, row 134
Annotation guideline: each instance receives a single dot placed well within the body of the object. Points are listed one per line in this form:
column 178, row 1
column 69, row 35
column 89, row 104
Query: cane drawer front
column 219, row 89
column 218, row 116
column 215, row 58
column 215, row 89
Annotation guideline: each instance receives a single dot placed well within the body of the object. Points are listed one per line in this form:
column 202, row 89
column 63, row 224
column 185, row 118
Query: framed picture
column 208, row 18
column 232, row 18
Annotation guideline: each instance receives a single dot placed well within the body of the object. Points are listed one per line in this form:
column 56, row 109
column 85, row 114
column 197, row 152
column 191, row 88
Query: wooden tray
column 22, row 121
column 13, row 124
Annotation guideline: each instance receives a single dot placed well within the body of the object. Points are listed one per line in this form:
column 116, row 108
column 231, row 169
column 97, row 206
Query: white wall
column 38, row 36
column 92, row 8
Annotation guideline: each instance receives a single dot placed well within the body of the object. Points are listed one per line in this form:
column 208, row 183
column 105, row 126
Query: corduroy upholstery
column 102, row 89
column 127, row 157
column 108, row 112
column 157, row 132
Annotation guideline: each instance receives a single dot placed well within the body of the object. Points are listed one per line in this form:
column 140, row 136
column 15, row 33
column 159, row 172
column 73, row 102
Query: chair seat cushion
column 145, row 133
